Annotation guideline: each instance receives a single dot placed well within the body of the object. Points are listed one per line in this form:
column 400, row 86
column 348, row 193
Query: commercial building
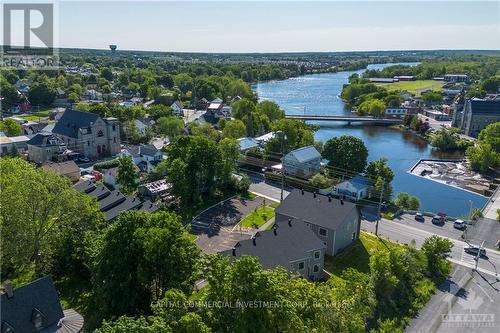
column 479, row 113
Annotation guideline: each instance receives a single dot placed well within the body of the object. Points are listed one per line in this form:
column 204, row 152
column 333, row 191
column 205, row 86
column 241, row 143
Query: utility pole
column 282, row 170
column 379, row 208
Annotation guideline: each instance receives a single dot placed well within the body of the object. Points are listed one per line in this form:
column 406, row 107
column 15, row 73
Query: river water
column 319, row 94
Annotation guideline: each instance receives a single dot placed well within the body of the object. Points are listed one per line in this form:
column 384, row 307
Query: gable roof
column 71, row 121
column 40, row 294
column 247, row 143
column 45, row 139
column 305, row 154
column 278, row 247
column 357, row 182
column 62, row 168
column 317, row 210
column 148, row 149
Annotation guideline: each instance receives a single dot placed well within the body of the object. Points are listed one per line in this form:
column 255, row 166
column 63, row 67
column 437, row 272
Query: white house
column 146, row 157
column 303, row 162
column 247, row 143
column 177, row 108
column 141, row 127
column 355, row 188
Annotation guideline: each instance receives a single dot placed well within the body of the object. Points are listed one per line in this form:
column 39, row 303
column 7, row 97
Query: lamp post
column 470, row 209
column 283, row 138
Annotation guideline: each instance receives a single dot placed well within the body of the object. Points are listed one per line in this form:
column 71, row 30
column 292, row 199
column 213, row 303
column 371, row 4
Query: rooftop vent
column 341, row 201
column 254, row 241
column 9, row 291
column 290, row 222
column 234, row 252
column 275, row 229
column 302, row 191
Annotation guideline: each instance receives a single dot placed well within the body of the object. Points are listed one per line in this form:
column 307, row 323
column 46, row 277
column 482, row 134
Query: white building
column 303, row 162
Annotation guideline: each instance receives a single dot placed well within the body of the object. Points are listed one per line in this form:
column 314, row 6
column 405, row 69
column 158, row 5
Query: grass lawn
column 357, row 256
column 257, row 218
column 274, row 204
column 415, row 87
column 43, row 113
column 30, row 118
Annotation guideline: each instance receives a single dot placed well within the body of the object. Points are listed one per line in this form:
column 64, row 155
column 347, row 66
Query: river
column 319, row 94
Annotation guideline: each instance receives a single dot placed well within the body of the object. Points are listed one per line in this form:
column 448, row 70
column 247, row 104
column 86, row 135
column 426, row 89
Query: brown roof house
column 68, row 169
column 35, row 307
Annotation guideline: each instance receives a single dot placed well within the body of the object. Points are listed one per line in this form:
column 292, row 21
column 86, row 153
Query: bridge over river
column 349, row 119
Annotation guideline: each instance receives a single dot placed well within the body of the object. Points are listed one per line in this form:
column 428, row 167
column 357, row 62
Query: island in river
column 319, row 94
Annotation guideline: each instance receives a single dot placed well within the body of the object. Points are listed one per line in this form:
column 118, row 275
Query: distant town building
column 303, row 162
column 247, row 144
column 456, row 78
column 479, row 113
column 89, row 134
column 395, row 112
column 355, row 188
column 404, row 78
column 68, row 169
column 177, row 108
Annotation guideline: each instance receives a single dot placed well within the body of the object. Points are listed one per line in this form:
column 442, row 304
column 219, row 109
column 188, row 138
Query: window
column 317, row 254
column 37, row 319
column 88, row 143
column 353, row 236
column 301, row 265
column 316, row 269
column 114, row 127
column 114, row 139
column 100, row 133
column 323, row 232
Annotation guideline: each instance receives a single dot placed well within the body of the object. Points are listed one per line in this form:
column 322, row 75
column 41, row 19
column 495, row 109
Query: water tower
column 113, row 49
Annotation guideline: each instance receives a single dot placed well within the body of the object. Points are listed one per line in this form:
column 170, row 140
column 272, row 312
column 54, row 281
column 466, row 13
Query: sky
column 279, row 26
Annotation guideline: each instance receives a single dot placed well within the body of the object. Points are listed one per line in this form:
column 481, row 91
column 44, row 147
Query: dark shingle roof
column 148, row 149
column 40, row 294
column 479, row 106
column 112, row 200
column 129, row 203
column 273, row 248
column 71, row 121
column 45, row 139
column 319, row 211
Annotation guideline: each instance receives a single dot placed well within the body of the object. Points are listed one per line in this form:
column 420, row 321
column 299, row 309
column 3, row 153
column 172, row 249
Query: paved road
column 466, row 302
column 266, row 190
column 490, row 211
column 406, row 234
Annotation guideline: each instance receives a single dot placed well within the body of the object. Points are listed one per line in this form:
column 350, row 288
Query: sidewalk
column 490, row 210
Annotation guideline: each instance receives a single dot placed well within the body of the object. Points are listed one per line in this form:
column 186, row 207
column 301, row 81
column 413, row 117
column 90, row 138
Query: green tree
column 234, row 129
column 126, row 177
column 437, row 250
column 482, row 157
column 9, row 94
column 170, row 126
column 319, row 181
column 136, row 325
column 271, row 110
column 42, row 93
column 145, row 254
column 11, row 127
column 194, row 163
column 243, row 110
column 107, row 74
column 413, row 203
column 42, row 214
column 379, row 172
column 346, row 153
column 230, row 151
column 297, row 133
column 374, row 107
column 491, row 135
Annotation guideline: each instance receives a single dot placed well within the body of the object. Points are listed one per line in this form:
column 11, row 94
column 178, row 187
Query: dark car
column 460, row 225
column 472, row 249
column 438, row 220
column 419, row 217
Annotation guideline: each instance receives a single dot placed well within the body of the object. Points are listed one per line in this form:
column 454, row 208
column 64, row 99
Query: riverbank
column 319, row 94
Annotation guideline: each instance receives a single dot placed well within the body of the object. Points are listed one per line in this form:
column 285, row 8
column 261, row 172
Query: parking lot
column 213, row 226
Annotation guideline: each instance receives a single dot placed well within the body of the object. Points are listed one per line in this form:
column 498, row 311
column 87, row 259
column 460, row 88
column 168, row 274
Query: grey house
column 35, row 307
column 291, row 245
column 303, row 162
column 479, row 113
column 336, row 222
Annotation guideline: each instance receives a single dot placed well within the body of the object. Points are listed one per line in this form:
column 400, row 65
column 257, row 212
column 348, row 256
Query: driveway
column 213, row 226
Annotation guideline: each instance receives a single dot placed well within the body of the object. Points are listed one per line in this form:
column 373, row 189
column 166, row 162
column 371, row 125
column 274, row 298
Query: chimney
column 302, row 191
column 329, row 199
column 289, row 222
column 9, row 291
column 234, row 252
column 275, row 229
column 253, row 241
column 341, row 201
column 314, row 194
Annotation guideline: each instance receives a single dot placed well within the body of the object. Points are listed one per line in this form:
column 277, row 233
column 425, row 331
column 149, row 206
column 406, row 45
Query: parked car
column 474, row 249
column 419, row 217
column 83, row 159
column 460, row 225
column 439, row 220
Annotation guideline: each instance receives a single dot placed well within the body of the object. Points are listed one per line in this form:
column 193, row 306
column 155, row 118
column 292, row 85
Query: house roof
column 317, row 210
column 111, row 200
column 305, row 154
column 129, row 203
column 39, row 295
column 357, row 182
column 148, row 149
column 178, row 104
column 278, row 247
column 45, row 139
column 62, row 168
column 217, row 100
column 247, row 143
column 133, row 150
column 71, row 121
